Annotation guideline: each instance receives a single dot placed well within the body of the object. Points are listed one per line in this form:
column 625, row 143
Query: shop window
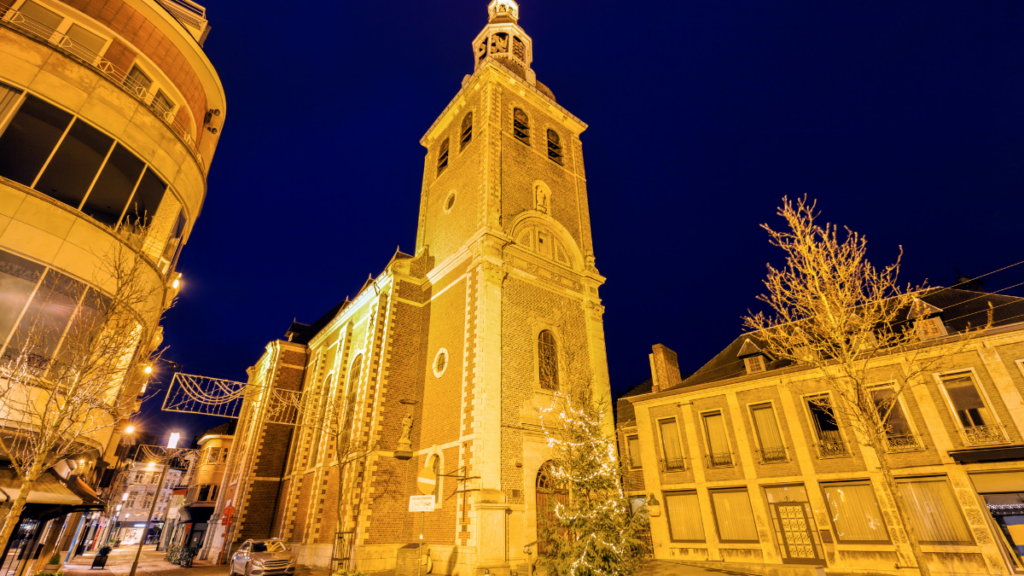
column 109, row 196
column 768, row 435
column 717, row 440
column 547, row 359
column 30, row 138
column 18, row 278
column 934, row 512
column 671, row 446
column 521, row 126
column 554, row 146
column 733, row 516
column 467, row 131
column 684, row 519
column 75, row 164
column 442, row 157
column 854, row 513
column 633, row 447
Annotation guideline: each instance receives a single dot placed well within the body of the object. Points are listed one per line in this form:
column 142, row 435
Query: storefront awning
column 48, row 489
column 992, row 454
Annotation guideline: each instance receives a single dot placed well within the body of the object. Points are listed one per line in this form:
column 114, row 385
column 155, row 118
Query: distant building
column 110, row 114
column 203, row 486
column 141, row 488
column 437, row 363
column 744, row 463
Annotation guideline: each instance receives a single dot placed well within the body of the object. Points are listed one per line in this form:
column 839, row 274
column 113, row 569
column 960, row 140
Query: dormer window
column 927, row 320
column 754, row 359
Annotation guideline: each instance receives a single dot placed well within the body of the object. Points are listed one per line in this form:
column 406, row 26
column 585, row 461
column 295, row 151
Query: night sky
column 905, row 120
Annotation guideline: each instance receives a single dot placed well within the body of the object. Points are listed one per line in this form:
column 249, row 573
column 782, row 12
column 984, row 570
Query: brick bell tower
column 504, row 207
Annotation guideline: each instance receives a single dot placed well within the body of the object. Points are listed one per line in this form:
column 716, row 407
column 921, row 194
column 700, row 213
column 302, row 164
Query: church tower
column 504, row 205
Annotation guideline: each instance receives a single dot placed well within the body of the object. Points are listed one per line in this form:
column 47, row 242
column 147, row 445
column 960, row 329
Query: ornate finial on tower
column 499, row 8
column 505, row 40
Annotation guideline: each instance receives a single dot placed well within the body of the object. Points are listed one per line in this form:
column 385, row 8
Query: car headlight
column 291, row 560
column 258, row 563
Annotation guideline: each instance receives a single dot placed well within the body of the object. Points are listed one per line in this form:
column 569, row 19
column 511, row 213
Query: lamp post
column 171, row 452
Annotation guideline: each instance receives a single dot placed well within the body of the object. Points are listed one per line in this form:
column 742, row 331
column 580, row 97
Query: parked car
column 262, row 557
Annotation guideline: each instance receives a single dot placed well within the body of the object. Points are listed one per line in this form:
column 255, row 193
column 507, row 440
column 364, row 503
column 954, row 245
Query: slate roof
column 624, row 413
column 960, row 309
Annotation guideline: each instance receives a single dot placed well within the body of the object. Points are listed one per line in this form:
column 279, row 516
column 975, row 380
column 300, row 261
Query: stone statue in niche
column 542, row 199
column 404, row 443
column 499, row 43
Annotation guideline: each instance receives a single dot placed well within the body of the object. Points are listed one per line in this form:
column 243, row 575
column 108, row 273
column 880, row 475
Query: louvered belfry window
column 547, row 355
column 554, row 146
column 467, row 131
column 521, row 126
column 442, row 157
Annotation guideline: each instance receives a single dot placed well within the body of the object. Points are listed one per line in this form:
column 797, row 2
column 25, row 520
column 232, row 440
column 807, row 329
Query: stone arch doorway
column 549, row 492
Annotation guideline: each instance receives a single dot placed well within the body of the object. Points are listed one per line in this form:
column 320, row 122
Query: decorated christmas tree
column 591, row 530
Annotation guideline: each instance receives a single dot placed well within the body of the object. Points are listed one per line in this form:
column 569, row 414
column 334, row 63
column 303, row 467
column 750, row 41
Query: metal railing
column 188, row 13
column 903, row 443
column 672, row 464
column 15, row 20
column 832, row 448
column 718, row 460
column 976, row 435
column 772, row 455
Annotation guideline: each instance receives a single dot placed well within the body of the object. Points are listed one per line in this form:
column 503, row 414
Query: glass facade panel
column 142, row 207
column 31, row 137
column 108, row 198
column 18, row 278
column 43, row 325
column 75, row 164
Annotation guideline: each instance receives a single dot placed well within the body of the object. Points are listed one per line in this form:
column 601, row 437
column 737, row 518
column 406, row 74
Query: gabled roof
column 749, row 349
column 624, row 413
column 961, row 309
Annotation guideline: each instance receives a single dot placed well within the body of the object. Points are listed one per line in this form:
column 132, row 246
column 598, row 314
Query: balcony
column 202, row 495
column 15, row 20
column 981, row 435
column 772, row 455
column 832, row 448
column 718, row 460
column 672, row 464
column 903, row 443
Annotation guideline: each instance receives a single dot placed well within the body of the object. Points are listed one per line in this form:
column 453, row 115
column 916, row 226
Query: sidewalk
column 151, row 562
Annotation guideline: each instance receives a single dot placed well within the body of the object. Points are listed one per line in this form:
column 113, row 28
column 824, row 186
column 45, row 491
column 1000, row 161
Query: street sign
column 229, row 510
column 421, row 503
column 227, row 520
column 426, row 481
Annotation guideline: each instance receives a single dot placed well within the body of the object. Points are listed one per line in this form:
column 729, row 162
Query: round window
column 449, row 203
column 440, row 362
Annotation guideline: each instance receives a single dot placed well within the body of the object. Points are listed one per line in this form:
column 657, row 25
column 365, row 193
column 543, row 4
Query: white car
column 261, row 558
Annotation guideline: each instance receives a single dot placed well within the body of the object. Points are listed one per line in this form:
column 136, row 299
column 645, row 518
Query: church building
column 436, row 367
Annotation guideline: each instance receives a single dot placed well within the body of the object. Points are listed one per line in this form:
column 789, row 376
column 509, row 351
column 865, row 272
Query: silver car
column 262, row 557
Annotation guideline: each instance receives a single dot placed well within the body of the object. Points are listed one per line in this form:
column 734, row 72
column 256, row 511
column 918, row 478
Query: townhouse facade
column 745, row 462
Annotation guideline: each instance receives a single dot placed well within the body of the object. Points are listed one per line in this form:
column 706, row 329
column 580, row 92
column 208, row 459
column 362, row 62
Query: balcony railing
column 903, row 443
column 15, row 20
column 832, row 448
column 977, row 435
column 718, row 460
column 672, row 464
column 772, row 455
column 188, row 13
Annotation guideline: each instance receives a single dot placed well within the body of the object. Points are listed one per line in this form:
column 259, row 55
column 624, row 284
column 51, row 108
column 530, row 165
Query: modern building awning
column 48, row 489
column 992, row 454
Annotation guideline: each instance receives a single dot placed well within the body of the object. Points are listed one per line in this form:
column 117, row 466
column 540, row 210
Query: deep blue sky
column 904, row 119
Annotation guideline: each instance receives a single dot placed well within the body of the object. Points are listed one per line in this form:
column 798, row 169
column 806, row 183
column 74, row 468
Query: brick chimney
column 664, row 368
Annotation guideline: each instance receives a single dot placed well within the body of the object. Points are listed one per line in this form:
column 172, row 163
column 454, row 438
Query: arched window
column 547, row 357
column 521, row 126
column 554, row 146
column 467, row 131
column 350, row 405
column 442, row 157
column 549, row 492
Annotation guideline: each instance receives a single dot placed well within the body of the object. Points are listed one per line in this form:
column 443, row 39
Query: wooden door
column 549, row 493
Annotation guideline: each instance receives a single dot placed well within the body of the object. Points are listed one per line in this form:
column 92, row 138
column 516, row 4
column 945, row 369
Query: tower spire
column 505, row 41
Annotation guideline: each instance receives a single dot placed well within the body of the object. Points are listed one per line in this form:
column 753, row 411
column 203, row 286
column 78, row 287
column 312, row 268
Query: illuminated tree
column 851, row 323
column 74, row 367
column 593, row 532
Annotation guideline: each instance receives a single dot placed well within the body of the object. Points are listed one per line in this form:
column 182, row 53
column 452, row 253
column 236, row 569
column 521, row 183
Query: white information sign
column 421, row 503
